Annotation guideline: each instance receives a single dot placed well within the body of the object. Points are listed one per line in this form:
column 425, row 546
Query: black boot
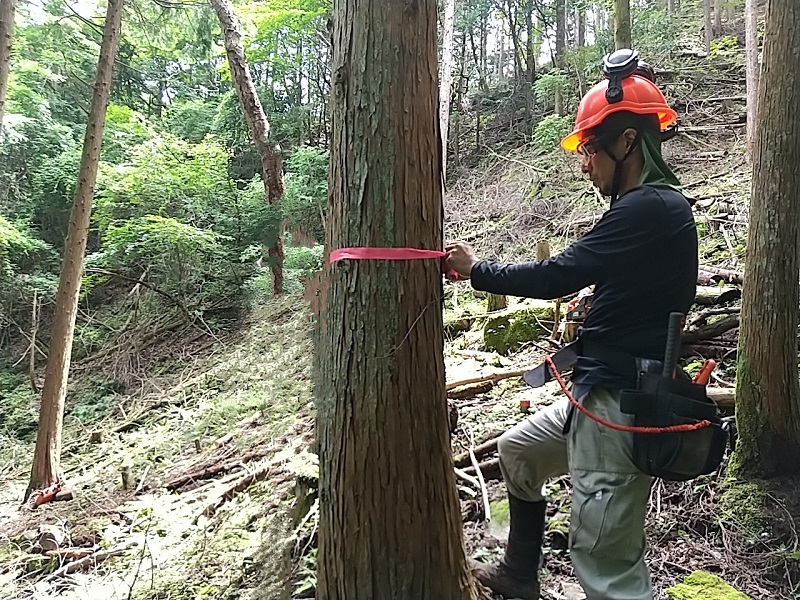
column 516, row 575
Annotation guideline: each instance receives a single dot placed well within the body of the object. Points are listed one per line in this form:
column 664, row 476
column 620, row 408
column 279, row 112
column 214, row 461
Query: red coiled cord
column 627, row 428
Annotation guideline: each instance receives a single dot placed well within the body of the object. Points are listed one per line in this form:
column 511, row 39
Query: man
column 642, row 258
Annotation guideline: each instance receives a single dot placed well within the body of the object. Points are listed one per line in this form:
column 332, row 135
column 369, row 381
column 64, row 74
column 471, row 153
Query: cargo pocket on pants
column 608, row 520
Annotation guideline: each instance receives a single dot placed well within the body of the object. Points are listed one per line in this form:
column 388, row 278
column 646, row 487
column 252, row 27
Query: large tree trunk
column 446, row 77
column 751, row 44
column 6, row 31
column 257, row 123
column 717, row 18
column 767, row 392
column 47, row 455
column 390, row 523
column 622, row 24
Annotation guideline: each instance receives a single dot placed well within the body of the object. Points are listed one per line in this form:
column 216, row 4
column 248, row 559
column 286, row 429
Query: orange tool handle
column 705, row 372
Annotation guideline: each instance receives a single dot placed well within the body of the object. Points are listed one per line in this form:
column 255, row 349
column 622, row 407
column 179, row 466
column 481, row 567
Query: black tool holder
column 663, row 400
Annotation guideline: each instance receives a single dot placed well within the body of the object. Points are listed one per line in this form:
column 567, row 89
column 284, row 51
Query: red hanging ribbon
column 389, row 254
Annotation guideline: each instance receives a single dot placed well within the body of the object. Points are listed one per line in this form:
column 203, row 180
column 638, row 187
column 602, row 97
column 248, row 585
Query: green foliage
column 188, row 265
column 549, row 83
column 92, row 398
column 20, row 251
column 191, row 120
column 124, row 131
column 551, row 130
column 18, row 416
column 726, row 46
column 305, row 193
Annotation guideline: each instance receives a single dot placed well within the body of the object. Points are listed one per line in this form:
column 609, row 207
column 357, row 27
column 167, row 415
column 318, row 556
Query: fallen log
column 710, row 295
column 715, row 351
column 490, row 470
column 727, row 275
column 709, row 312
column 91, row 560
column 486, row 447
column 210, row 471
column 711, row 331
column 210, row 509
column 722, row 397
column 494, row 378
column 470, row 391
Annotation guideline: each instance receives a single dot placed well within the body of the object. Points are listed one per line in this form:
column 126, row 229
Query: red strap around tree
column 388, row 254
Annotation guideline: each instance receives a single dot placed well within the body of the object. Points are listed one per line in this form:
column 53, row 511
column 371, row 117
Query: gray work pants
column 609, row 494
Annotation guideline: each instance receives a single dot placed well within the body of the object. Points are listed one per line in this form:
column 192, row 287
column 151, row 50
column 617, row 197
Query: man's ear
column 630, row 136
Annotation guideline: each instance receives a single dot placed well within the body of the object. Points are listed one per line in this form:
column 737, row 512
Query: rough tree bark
column 257, row 123
column 47, row 455
column 446, row 77
column 390, row 523
column 580, row 20
column 6, row 31
column 751, row 45
column 767, row 391
column 622, row 24
column 717, row 18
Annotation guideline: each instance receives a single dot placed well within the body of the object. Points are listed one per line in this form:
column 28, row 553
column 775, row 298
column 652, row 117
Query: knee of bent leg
column 508, row 447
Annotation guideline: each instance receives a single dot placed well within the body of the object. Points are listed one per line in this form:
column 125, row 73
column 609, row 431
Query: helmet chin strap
column 619, row 165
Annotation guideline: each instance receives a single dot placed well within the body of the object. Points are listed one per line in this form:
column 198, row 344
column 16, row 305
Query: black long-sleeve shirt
column 642, row 258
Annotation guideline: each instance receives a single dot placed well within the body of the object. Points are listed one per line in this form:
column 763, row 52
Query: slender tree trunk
column 707, row 25
column 501, row 54
column 390, row 522
column 717, row 18
column 671, row 7
column 580, row 18
column 561, row 42
column 46, row 468
column 6, row 31
column 731, row 13
column 519, row 72
column 622, row 24
column 446, row 77
column 483, row 50
column 753, row 71
column 530, row 67
column 271, row 165
column 767, row 391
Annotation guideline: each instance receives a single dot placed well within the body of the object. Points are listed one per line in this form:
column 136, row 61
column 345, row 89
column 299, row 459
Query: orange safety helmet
column 639, row 95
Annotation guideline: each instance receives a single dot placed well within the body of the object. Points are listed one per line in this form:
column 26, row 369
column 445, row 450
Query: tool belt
column 657, row 404
column 661, row 403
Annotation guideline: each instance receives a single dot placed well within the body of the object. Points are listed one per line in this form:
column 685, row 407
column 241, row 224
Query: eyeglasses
column 592, row 145
column 589, row 147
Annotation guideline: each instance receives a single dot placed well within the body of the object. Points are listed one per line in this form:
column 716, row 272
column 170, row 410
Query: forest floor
column 198, row 484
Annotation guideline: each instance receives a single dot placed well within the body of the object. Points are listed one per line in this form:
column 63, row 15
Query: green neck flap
column 655, row 171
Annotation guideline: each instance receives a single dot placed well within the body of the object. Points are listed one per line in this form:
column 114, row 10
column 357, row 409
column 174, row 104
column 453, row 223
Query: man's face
column 597, row 162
